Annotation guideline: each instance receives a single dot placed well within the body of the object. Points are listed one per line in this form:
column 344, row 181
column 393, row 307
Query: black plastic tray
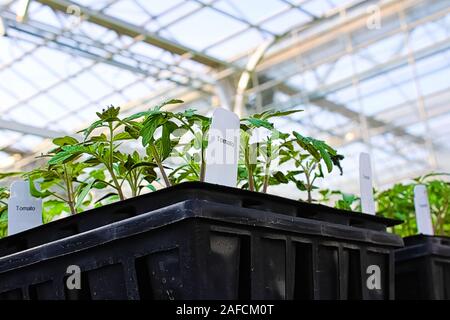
column 191, row 190
column 201, row 241
column 423, row 268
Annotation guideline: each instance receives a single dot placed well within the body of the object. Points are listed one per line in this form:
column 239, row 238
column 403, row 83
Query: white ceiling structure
column 371, row 75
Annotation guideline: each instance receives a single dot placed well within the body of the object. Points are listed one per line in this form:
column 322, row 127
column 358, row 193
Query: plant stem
column 267, row 168
column 116, row 183
column 202, row 167
column 308, row 189
column 442, row 223
column 202, row 163
column 59, row 197
column 251, row 183
column 308, row 185
column 110, row 167
column 134, row 185
column 70, row 196
column 160, row 166
column 266, row 176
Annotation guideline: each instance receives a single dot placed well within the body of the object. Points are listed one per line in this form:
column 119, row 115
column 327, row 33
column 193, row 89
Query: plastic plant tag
column 24, row 211
column 222, row 154
column 423, row 216
column 365, row 183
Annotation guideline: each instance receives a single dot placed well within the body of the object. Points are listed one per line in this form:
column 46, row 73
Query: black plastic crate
column 203, row 241
column 422, row 268
column 98, row 217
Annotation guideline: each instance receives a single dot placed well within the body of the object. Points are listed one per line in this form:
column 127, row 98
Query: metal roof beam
column 32, row 130
column 128, row 29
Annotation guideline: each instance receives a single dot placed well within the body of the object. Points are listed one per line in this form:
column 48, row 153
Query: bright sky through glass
column 55, row 73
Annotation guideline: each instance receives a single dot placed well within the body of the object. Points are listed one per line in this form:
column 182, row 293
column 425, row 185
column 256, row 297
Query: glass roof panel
column 206, row 25
column 284, row 22
column 252, row 10
column 58, row 70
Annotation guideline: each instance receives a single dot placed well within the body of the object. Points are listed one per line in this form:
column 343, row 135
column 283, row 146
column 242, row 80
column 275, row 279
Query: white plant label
column 423, row 216
column 222, row 154
column 24, row 211
column 365, row 183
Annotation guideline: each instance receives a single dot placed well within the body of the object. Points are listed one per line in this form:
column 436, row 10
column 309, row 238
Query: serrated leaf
column 87, row 132
column 273, row 114
column 168, row 102
column 133, row 130
column 325, row 156
column 258, row 123
column 100, row 138
column 166, row 145
column 123, row 136
column 63, row 141
column 306, row 144
column 68, row 153
column 149, row 127
column 35, row 192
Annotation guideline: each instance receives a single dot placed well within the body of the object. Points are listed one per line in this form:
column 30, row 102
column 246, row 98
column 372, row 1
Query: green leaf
column 137, row 116
column 100, row 138
column 63, row 141
column 325, row 156
column 300, row 185
column 306, row 144
column 143, row 164
column 134, row 130
column 337, row 161
column 68, row 153
column 100, row 185
column 280, row 177
column 9, row 174
column 87, row 132
column 84, row 192
column 123, row 136
column 273, row 114
column 349, row 198
column 189, row 113
column 258, row 123
column 166, row 146
column 149, row 127
column 53, row 208
column 107, row 196
column 97, row 174
column 35, row 192
column 168, row 102
column 154, row 110
column 47, row 184
column 150, row 175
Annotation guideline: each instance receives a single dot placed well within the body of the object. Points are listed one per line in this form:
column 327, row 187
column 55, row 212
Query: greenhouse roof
column 370, row 75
